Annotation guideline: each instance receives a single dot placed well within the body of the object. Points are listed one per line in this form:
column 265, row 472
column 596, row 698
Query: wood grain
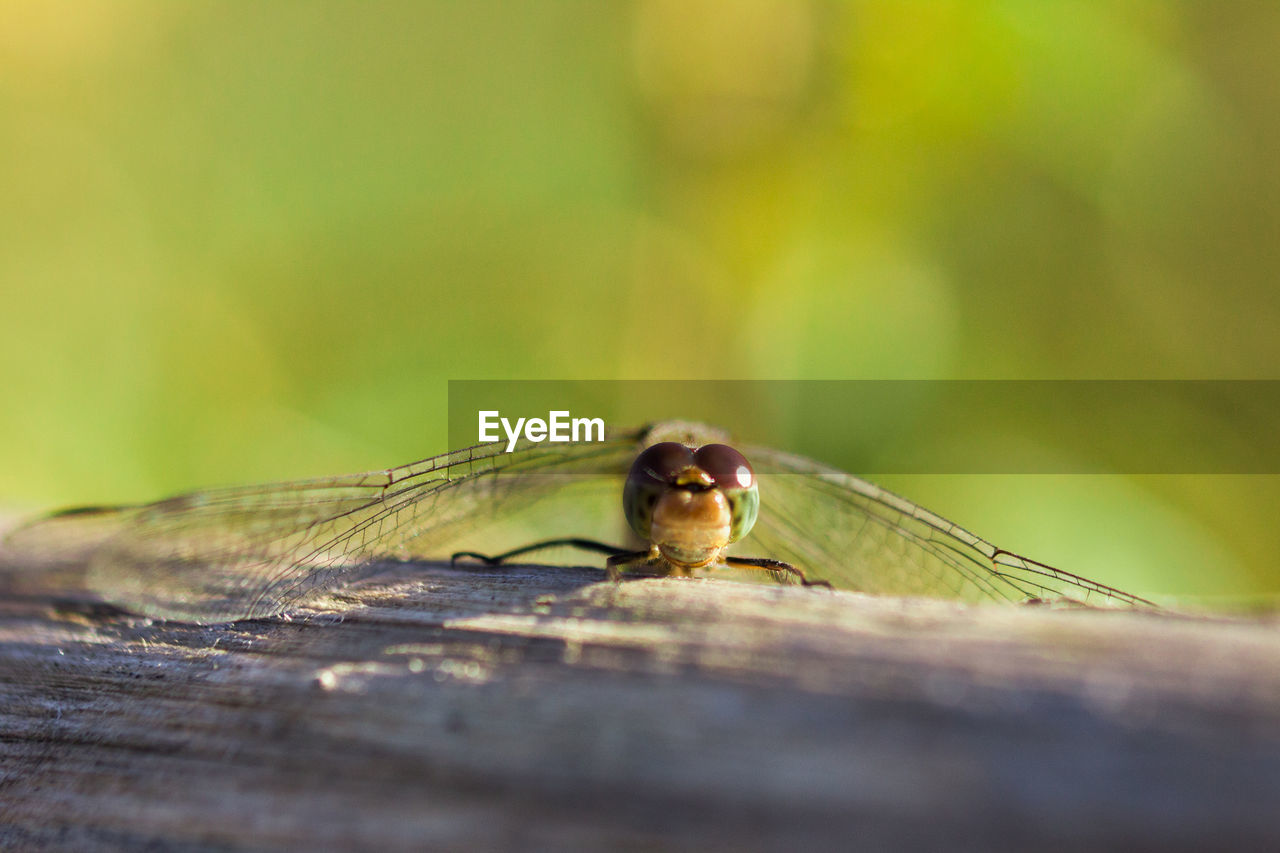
column 532, row 707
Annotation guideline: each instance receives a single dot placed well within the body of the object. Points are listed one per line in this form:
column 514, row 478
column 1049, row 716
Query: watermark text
column 558, row 427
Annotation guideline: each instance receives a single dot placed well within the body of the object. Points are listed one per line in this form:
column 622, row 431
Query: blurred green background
column 253, row 241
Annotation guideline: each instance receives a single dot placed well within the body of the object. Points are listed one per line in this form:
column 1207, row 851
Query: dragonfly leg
column 621, row 561
column 499, row 559
column 773, row 566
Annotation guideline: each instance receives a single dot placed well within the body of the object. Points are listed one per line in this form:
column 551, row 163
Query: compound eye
column 662, row 462
column 652, row 474
column 727, row 467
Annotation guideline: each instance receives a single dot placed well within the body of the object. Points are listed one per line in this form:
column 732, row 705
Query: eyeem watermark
column 558, row 427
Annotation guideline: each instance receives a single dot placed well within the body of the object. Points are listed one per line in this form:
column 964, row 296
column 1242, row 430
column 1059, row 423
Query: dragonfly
column 249, row 552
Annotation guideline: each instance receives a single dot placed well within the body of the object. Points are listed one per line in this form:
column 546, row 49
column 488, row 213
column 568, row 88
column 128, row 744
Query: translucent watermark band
column 932, row 427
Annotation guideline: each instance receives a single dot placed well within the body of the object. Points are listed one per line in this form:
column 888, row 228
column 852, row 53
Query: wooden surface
column 543, row 708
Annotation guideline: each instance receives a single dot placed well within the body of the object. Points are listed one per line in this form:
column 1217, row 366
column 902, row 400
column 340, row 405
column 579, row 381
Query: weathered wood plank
column 535, row 707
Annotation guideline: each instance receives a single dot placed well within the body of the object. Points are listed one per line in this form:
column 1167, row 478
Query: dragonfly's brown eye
column 727, row 467
column 663, row 461
column 653, row 472
column 732, row 475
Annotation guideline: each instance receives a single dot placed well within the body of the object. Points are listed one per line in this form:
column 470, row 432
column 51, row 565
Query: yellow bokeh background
column 253, row 241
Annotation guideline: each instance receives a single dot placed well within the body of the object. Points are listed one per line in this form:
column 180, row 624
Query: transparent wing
column 246, row 552
column 858, row 536
column 234, row 553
